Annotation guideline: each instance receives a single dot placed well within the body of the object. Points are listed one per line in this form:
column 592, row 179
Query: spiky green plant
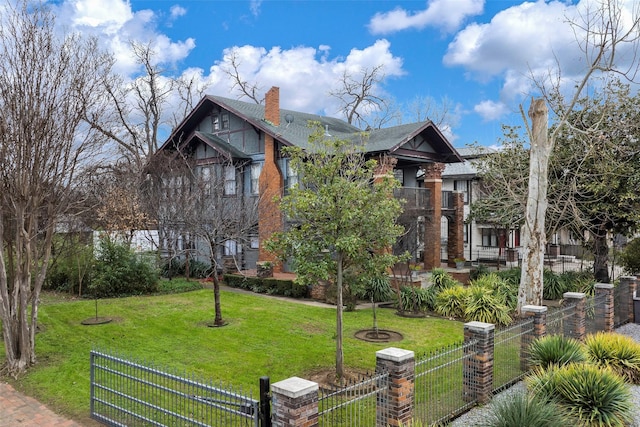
column 554, row 287
column 503, row 288
column 591, row 395
column 556, row 350
column 484, row 305
column 522, row 410
column 440, row 279
column 616, row 351
column 452, row 302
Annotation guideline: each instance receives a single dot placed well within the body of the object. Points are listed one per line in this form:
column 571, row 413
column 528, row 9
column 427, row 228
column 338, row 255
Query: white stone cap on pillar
column 534, row 308
column 603, row 285
column 294, row 387
column 395, row 354
column 480, row 326
column 573, row 295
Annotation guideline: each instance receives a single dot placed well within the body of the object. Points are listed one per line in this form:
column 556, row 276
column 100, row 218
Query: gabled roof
column 466, row 169
column 294, row 130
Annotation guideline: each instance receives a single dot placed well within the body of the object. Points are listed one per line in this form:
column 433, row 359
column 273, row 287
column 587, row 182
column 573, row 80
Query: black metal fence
column 125, row 393
column 355, row 404
column 439, row 384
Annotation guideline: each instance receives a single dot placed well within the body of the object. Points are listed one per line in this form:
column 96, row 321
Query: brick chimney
column 272, row 106
column 271, row 181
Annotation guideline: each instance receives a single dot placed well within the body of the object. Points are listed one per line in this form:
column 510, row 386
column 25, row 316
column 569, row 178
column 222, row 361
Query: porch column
column 432, row 234
column 455, row 240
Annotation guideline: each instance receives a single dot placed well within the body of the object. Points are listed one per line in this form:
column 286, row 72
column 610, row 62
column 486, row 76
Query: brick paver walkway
column 18, row 410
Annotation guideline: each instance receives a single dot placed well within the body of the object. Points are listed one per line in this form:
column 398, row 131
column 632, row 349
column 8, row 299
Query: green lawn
column 265, row 336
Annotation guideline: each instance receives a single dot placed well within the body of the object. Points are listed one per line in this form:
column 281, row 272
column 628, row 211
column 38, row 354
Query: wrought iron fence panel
column 356, row 404
column 439, row 391
column 125, row 393
column 509, row 354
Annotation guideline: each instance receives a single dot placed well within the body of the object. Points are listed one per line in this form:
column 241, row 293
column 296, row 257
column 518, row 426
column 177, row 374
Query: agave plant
column 618, row 352
column 520, row 410
column 591, row 395
column 556, row 350
column 483, row 305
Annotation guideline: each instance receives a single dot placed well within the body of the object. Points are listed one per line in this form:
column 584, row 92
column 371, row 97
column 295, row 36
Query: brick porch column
column 432, row 234
column 271, row 182
column 604, row 310
column 397, row 408
column 455, row 240
column 624, row 311
column 295, row 403
column 539, row 314
column 478, row 366
column 575, row 326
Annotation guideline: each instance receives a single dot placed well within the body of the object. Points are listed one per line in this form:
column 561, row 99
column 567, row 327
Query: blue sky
column 475, row 56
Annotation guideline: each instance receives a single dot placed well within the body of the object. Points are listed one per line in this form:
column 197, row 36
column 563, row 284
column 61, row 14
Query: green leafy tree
column 342, row 216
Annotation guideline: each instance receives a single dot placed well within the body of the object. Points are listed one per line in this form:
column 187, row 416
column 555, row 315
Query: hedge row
column 267, row 285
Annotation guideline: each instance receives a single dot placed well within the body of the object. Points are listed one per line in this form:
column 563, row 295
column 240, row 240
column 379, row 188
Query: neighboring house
column 253, row 136
column 482, row 241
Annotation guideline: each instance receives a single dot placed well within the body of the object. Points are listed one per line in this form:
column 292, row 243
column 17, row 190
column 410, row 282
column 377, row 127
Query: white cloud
column 116, row 26
column 305, row 71
column 447, row 15
column 527, row 41
column 254, row 7
column 177, row 11
column 491, row 110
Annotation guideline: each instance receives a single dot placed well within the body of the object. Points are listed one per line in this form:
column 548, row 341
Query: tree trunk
column 216, row 297
column 339, row 350
column 534, row 236
column 601, row 256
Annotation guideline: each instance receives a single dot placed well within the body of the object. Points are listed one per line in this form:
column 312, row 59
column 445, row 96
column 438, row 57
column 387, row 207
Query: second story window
column 256, row 168
column 292, row 176
column 229, row 180
column 215, row 122
column 225, row 120
column 462, row 186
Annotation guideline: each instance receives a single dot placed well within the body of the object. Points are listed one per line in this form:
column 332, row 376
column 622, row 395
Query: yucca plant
column 501, row 287
column 523, row 410
column 452, row 302
column 440, row 279
column 618, row 352
column 591, row 395
column 553, row 286
column 556, row 350
column 485, row 306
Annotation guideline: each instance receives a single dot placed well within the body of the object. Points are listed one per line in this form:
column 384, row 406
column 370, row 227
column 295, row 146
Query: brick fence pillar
column 397, row 407
column 295, row 403
column 575, row 326
column 624, row 311
column 539, row 330
column 478, row 365
column 604, row 312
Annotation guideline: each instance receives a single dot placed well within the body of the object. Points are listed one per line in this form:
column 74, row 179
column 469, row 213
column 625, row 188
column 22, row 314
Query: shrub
column 177, row 286
column 554, row 286
column 579, row 281
column 452, row 302
column 70, row 266
column 483, row 305
column 511, row 276
column 522, row 410
column 591, row 395
column 502, row 288
column 556, row 350
column 268, row 285
column 618, row 352
column 414, row 299
column 440, row 280
column 177, row 267
column 119, row 272
column 630, row 257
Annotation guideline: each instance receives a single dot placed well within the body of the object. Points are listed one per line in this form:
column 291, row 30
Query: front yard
column 264, row 336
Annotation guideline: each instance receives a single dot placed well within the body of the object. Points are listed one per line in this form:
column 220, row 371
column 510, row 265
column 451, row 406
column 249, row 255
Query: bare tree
column 357, row 94
column 221, row 217
column 603, row 32
column 47, row 84
column 441, row 113
column 247, row 89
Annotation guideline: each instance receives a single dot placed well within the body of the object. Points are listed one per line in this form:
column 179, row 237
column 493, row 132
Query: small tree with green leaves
column 343, row 215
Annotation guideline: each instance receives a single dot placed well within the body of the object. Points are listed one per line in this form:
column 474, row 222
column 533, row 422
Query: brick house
column 252, row 136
